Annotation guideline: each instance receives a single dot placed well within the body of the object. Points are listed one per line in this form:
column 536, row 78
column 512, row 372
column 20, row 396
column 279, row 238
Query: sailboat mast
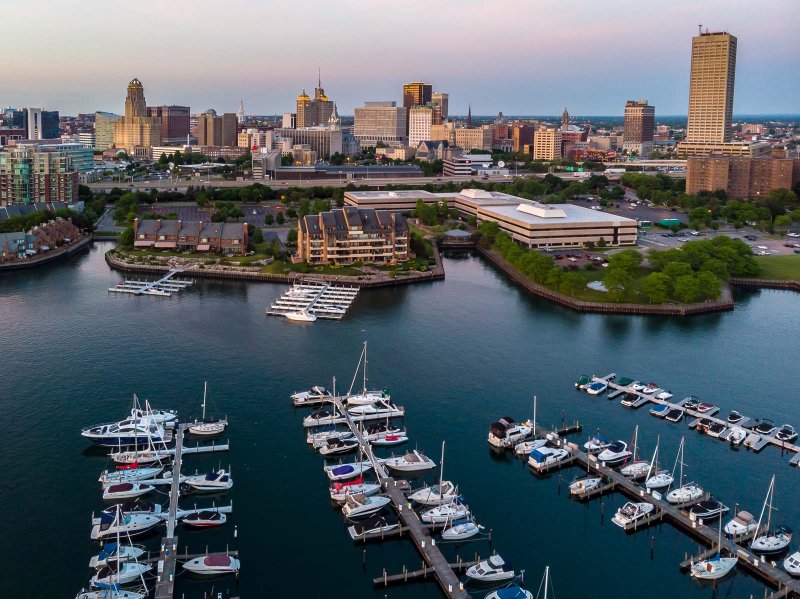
column 441, row 470
column 534, row 416
column 205, row 388
column 364, row 385
column 546, row 580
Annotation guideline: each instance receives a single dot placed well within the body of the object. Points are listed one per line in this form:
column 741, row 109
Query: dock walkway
column 430, row 553
column 164, row 287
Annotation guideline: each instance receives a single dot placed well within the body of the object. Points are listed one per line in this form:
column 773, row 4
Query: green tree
column 686, row 288
column 269, row 218
column 126, row 238
column 279, row 218
column 657, row 287
column 708, row 285
column 292, row 236
column 571, row 283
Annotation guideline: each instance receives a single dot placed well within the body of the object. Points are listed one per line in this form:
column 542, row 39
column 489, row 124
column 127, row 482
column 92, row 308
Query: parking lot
column 253, row 215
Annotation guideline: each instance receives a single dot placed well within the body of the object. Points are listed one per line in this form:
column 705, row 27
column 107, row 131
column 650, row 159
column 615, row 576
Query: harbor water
column 457, row 354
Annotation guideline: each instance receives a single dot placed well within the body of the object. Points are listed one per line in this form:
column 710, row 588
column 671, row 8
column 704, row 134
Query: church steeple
column 469, row 116
column 565, row 119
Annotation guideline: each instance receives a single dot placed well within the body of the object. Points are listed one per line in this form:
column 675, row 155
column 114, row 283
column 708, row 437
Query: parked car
column 751, row 237
column 763, row 247
column 793, row 234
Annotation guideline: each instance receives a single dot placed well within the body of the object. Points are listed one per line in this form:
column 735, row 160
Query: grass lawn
column 785, row 268
column 280, row 267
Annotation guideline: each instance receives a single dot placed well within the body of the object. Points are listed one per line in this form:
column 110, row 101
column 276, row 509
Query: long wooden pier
column 419, row 533
column 167, row 562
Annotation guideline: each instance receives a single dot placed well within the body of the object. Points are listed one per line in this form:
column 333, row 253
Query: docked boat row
column 305, row 302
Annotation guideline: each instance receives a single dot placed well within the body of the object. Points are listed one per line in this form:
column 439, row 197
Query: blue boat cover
column 538, row 455
column 512, row 592
column 103, row 585
column 343, row 470
column 108, row 549
column 107, row 518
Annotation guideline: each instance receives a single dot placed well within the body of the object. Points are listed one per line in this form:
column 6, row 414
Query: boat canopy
column 625, row 381
column 512, row 592
column 346, row 469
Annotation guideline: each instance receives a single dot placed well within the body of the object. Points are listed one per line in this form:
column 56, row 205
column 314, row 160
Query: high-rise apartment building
column 104, row 129
column 639, row 127
column 442, row 100
column 546, row 144
column 380, row 122
column 417, row 93
column 174, row 122
column 136, row 132
column 741, row 177
column 30, row 174
column 420, row 119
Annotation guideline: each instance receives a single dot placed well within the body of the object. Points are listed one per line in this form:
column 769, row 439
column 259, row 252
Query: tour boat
column 582, row 381
column 584, row 485
column 315, row 394
column 213, row 481
column 358, row 506
column 111, row 593
column 597, row 387
column 338, row 446
column 126, row 491
column 596, row 444
column 494, row 569
column 742, row 523
column 734, row 417
column 133, row 431
column 345, row 471
column 686, row 492
column 320, row 438
column 507, row 433
column 207, row 427
column 660, row 410
column 460, row 530
column 767, row 540
column 510, row 592
column 786, row 433
column 526, row 447
column 546, row 456
column 413, row 461
column 126, row 525
column 390, row 440
column 716, row 566
column 737, row 436
column 650, row 388
column 300, row 316
column 631, row 512
column 114, row 552
column 445, row 492
column 119, row 574
column 212, row 565
column 765, row 426
column 708, row 509
column 447, row 512
column 674, row 415
column 374, row 525
column 616, row 453
column 340, row 491
column 204, row 519
column 792, row 564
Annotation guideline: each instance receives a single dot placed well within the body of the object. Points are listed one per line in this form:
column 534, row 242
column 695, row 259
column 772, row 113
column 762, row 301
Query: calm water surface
column 458, row 354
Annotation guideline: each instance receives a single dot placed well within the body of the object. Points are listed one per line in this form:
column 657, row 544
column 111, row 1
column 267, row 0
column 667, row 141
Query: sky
column 514, row 56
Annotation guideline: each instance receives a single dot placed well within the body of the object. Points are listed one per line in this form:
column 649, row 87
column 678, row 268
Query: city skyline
column 633, row 51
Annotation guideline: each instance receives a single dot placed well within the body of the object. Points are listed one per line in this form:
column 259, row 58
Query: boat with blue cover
column 660, row 410
column 115, row 552
column 510, row 592
column 597, row 388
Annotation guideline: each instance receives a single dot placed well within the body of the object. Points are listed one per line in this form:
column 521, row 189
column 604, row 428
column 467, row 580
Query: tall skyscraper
column 240, row 112
column 442, row 100
column 639, row 127
column 136, row 132
column 316, row 112
column 174, row 122
column 711, row 88
column 213, row 130
column 417, row 93
column 104, row 129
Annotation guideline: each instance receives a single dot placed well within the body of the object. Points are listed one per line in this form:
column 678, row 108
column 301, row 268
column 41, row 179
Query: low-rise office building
column 350, row 234
column 215, row 238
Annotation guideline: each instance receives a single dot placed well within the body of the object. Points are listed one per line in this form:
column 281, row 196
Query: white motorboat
column 675, row 415
column 207, row 427
column 166, row 418
column 596, row 444
column 526, row 447
column 444, row 492
column 215, row 564
column 111, row 593
column 365, row 398
column 461, row 530
column 120, row 574
column 115, row 552
column 507, row 433
column 635, row 469
column 637, row 386
column 510, row 592
column 315, row 394
column 125, row 525
column 768, row 540
column 390, row 440
column 126, row 491
column 786, row 434
column 374, row 525
column 204, row 519
column 300, row 316
column 650, row 389
column 320, row 438
column 128, row 475
column 494, row 569
column 792, row 564
column 546, row 456
column 597, row 387
column 741, row 524
column 708, row 509
column 616, row 453
column 632, row 512
column 737, row 435
column 584, row 485
column 213, row 481
column 345, row 471
column 358, row 506
column 412, row 461
column 125, row 433
column 381, row 409
column 685, row 493
column 446, row 512
column 664, row 395
column 338, row 446
column 380, row 430
column 339, row 492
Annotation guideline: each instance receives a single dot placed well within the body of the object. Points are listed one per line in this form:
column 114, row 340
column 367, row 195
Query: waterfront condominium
column 350, row 234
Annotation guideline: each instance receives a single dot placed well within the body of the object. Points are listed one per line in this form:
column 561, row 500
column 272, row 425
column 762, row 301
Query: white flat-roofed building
column 401, row 200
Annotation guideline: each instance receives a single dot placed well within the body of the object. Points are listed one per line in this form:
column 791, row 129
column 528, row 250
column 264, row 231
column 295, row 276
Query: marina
column 320, row 300
column 163, row 287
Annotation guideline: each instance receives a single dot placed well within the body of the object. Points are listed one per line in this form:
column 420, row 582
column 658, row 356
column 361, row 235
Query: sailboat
column 766, row 540
column 526, row 447
column 208, row 427
column 444, row 492
column 717, row 566
column 365, row 398
column 656, row 479
column 636, row 468
column 686, row 492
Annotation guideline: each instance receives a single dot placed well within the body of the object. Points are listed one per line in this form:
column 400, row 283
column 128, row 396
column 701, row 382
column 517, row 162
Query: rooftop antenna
column 699, row 30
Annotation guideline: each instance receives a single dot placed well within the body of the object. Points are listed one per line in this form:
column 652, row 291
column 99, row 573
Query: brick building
column 741, row 177
column 215, row 238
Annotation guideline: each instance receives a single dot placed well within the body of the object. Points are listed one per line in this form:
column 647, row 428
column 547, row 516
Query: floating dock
column 323, row 300
column 163, row 287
